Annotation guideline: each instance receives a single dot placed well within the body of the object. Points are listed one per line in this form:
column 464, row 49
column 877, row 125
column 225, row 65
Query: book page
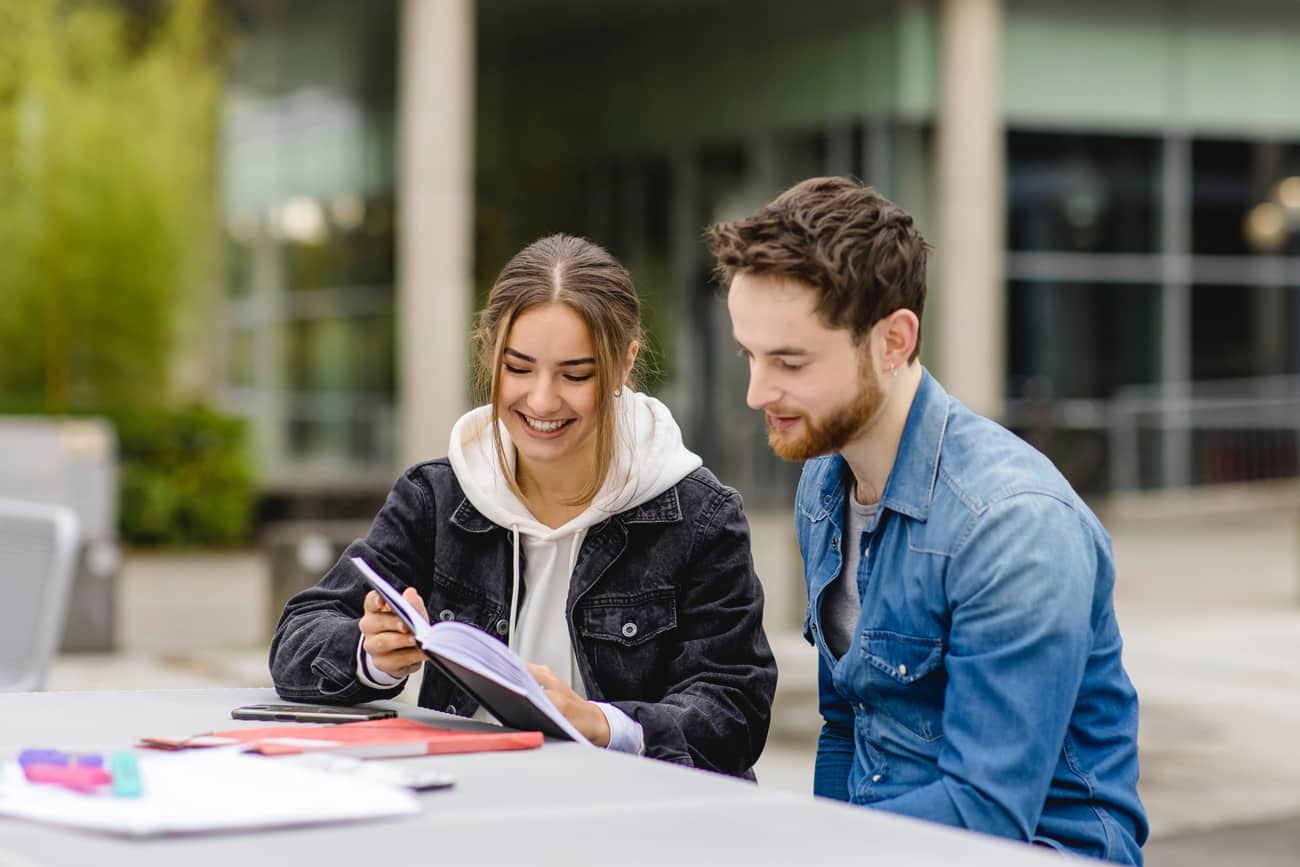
column 418, row 625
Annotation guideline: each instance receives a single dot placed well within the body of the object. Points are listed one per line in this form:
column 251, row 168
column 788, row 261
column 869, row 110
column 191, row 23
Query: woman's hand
column 390, row 644
column 585, row 716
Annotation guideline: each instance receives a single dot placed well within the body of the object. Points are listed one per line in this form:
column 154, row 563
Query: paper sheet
column 214, row 790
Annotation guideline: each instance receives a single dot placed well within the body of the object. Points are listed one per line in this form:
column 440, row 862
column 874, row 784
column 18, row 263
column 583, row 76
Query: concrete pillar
column 970, row 329
column 436, row 206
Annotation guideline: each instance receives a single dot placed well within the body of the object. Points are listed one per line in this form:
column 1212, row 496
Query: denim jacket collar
column 910, row 489
column 663, row 509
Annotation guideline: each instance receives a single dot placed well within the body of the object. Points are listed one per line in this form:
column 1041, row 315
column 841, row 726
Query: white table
column 562, row 804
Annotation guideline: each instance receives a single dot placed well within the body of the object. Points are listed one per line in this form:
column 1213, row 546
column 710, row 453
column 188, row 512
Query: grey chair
column 38, row 550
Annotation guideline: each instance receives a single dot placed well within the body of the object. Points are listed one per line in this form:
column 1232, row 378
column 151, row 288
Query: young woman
column 570, row 521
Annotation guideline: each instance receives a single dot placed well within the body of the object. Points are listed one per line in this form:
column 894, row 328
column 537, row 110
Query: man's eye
column 785, row 365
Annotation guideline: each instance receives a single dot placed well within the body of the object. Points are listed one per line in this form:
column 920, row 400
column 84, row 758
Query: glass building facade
column 1151, row 208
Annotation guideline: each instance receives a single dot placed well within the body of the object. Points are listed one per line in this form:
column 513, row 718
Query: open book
column 480, row 664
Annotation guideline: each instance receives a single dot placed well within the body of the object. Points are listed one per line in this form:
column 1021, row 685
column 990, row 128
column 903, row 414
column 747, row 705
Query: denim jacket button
column 835, row 543
column 629, row 630
column 502, row 626
column 902, row 670
column 446, row 614
column 875, row 778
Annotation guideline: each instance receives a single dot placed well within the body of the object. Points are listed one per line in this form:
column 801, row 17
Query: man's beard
column 833, row 432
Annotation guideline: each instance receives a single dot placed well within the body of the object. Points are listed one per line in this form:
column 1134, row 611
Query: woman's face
column 548, row 392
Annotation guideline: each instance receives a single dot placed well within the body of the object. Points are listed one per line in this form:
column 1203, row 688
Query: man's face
column 817, row 389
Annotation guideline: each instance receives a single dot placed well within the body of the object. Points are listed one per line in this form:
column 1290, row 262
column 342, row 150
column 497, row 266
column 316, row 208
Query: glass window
column 341, row 354
column 1081, row 340
column 1240, row 331
column 1246, row 198
column 1082, row 193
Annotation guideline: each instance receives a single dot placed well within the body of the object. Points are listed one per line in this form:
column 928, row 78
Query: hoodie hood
column 649, row 458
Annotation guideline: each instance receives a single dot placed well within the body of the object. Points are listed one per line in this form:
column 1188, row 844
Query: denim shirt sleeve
column 314, row 651
column 1020, row 590
column 717, row 714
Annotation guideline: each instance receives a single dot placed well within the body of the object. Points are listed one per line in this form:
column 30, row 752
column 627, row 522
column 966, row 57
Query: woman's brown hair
column 563, row 269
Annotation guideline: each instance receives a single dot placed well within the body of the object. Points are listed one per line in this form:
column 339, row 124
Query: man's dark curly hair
column 857, row 249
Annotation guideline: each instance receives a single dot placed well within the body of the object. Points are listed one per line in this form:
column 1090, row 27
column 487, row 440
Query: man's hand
column 585, row 716
column 390, row 644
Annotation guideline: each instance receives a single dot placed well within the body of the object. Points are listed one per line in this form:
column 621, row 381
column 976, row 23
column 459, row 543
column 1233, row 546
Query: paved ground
column 1209, row 606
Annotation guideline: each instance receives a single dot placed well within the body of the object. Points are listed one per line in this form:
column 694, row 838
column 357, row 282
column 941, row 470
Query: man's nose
column 760, row 392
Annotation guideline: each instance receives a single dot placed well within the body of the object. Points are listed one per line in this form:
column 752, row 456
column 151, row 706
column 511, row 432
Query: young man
column 959, row 591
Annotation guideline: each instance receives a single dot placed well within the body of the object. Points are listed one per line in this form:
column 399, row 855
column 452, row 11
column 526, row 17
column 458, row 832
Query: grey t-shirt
column 841, row 604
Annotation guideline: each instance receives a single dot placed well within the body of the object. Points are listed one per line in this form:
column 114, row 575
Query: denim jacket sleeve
column 716, row 715
column 314, row 651
column 1020, row 588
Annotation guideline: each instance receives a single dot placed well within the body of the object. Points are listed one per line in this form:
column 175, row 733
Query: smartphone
column 310, row 713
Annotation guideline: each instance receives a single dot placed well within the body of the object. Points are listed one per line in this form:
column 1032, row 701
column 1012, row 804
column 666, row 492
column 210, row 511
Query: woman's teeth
column 545, row 426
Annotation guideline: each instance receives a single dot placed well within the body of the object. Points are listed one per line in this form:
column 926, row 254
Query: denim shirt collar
column 910, row 488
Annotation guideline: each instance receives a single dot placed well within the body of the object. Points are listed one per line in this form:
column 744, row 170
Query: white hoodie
column 649, row 458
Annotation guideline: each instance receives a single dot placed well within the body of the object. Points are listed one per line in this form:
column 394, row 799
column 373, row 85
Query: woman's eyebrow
column 572, row 362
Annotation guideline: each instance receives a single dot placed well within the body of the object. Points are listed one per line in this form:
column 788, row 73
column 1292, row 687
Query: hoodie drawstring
column 514, row 588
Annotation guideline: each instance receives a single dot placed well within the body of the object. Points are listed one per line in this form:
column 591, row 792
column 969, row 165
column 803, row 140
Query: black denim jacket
column 664, row 612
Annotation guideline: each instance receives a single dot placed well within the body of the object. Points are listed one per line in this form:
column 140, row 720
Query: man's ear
column 900, row 332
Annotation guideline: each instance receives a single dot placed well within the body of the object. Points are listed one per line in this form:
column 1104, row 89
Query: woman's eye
column 785, row 365
column 516, row 370
column 577, row 377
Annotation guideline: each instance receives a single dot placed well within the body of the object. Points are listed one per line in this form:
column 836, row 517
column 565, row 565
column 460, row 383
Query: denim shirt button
column 502, row 626
column 446, row 614
column 629, row 630
column 902, row 670
column 835, row 543
column 875, row 778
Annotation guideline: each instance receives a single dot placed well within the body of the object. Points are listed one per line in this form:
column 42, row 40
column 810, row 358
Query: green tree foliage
column 107, row 141
column 107, row 134
column 185, row 478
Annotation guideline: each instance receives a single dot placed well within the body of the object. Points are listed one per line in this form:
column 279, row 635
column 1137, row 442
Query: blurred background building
column 1113, row 189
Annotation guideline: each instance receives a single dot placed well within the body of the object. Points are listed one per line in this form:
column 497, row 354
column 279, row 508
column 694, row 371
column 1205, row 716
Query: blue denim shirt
column 983, row 688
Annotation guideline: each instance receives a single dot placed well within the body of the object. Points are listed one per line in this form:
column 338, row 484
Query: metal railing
column 1198, row 433
column 1169, row 435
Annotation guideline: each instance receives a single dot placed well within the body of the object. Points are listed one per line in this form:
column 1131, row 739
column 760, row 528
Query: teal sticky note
column 126, row 774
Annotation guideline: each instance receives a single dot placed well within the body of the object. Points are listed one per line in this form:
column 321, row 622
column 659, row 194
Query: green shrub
column 187, row 478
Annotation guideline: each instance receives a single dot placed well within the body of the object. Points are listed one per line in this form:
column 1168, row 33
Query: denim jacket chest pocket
column 449, row 600
column 627, row 637
column 905, row 679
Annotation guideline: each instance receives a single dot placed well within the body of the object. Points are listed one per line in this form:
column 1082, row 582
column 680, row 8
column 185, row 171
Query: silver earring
column 618, row 392
column 893, row 371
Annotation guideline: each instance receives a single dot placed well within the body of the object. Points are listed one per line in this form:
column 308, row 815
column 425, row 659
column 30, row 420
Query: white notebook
column 209, row 791
column 481, row 664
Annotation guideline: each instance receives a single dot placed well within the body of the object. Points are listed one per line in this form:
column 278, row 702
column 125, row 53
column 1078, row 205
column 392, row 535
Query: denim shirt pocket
column 906, row 676
column 623, row 636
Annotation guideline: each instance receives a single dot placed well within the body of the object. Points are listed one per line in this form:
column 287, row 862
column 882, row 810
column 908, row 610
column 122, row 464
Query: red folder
column 380, row 738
